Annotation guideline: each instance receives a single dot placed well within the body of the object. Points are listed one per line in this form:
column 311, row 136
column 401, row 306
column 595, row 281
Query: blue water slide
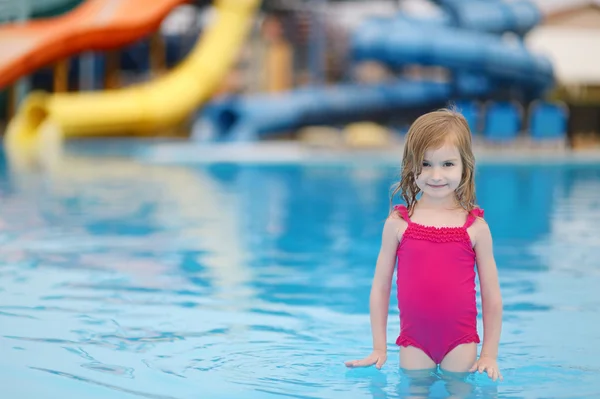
column 244, row 118
column 494, row 16
column 399, row 42
column 463, row 40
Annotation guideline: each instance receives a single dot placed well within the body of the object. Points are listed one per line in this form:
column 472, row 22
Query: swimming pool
column 121, row 279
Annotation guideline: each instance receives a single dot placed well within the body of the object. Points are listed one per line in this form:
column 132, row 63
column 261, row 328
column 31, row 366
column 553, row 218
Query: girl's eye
column 448, row 164
column 426, row 164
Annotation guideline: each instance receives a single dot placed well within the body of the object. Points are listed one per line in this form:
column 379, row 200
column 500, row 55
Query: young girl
column 437, row 240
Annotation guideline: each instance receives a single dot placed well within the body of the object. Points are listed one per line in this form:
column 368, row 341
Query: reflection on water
column 252, row 282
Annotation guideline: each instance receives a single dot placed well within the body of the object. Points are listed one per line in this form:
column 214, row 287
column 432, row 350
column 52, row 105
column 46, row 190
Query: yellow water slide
column 141, row 109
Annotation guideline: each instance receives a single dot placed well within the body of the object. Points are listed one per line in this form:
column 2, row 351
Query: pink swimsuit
column 436, row 287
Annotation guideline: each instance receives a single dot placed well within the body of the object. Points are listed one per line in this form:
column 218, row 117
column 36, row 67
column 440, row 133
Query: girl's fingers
column 492, row 372
column 498, row 376
column 357, row 362
column 367, row 362
column 364, row 362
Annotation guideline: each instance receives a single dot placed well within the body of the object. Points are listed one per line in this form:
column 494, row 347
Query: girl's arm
column 379, row 301
column 491, row 301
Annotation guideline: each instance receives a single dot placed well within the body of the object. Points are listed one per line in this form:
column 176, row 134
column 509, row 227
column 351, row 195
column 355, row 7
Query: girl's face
column 441, row 172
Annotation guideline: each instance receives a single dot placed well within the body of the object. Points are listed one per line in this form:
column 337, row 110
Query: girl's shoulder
column 398, row 214
column 398, row 220
column 478, row 225
column 478, row 215
column 400, row 211
column 478, row 212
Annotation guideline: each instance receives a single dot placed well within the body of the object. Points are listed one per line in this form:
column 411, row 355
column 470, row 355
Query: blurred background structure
column 349, row 72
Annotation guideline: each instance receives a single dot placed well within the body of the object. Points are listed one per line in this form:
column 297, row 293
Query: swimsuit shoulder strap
column 472, row 217
column 401, row 209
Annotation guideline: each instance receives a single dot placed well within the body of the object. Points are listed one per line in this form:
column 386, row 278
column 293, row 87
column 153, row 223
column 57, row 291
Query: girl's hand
column 377, row 358
column 489, row 364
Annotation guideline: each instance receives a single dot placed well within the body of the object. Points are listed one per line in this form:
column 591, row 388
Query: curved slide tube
column 95, row 25
column 143, row 108
column 242, row 119
column 399, row 42
column 493, row 16
column 479, row 61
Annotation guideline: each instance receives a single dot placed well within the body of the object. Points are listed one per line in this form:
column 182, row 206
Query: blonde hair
column 430, row 131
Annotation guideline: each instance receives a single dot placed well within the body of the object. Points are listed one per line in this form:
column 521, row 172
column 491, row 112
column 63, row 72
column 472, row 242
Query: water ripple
column 25, row 316
column 102, row 384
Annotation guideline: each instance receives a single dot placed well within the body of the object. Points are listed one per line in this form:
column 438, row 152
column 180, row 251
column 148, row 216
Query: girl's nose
column 436, row 175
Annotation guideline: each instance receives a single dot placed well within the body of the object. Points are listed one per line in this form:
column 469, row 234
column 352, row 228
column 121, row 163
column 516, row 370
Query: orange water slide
column 94, row 25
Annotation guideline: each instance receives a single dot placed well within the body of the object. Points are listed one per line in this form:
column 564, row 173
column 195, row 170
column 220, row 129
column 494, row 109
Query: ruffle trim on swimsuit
column 467, row 339
column 438, row 234
column 404, row 341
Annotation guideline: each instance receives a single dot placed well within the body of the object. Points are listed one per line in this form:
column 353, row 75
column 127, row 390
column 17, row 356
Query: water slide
column 248, row 117
column 492, row 16
column 94, row 25
column 465, row 40
column 19, row 11
column 144, row 108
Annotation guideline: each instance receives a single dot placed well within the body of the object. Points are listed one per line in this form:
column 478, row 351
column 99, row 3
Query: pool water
column 121, row 279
